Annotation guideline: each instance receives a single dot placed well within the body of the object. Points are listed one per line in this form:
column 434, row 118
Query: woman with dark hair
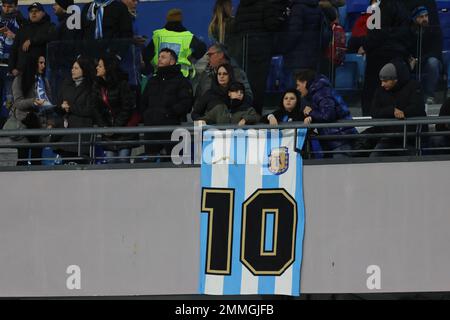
column 218, row 94
column 113, row 105
column 31, row 108
column 288, row 110
column 74, row 105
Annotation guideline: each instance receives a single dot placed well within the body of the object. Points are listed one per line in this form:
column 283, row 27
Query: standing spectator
column 220, row 27
column 235, row 111
column 31, row 40
column 63, row 33
column 218, row 56
column 32, row 96
column 359, row 32
column 382, row 45
column 217, row 94
column 113, row 104
column 166, row 100
column 176, row 37
column 303, row 42
column 331, row 8
column 398, row 97
column 430, row 51
column 10, row 21
column 75, row 106
column 106, row 19
column 323, row 104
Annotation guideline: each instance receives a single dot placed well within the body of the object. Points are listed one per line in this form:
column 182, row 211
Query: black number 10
column 273, row 210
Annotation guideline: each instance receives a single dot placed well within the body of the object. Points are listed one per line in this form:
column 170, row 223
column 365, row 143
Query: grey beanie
column 388, row 72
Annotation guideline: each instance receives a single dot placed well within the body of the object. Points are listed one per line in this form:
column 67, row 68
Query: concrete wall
column 136, row 231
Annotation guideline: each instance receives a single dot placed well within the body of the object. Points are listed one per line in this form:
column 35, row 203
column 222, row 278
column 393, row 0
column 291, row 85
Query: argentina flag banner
column 252, row 213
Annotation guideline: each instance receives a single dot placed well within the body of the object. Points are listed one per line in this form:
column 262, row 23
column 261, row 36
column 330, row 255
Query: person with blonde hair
column 221, row 22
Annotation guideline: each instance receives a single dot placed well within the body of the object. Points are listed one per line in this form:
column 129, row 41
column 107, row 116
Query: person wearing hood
column 106, row 19
column 176, row 37
column 31, row 40
column 398, row 97
column 235, row 111
column 322, row 104
column 166, row 100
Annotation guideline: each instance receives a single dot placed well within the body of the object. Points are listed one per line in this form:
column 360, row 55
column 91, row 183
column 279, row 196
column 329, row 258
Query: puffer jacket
column 327, row 106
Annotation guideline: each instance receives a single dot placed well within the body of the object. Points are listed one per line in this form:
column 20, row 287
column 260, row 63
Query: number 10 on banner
column 268, row 231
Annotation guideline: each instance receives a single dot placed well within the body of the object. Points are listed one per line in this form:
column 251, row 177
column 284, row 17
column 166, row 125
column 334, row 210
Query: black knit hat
column 64, row 3
column 36, row 5
column 236, row 86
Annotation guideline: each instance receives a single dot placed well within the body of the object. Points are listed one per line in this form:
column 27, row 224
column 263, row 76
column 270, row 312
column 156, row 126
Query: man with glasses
column 217, row 56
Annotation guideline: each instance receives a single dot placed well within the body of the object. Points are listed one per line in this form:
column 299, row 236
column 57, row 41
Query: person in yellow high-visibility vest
column 177, row 38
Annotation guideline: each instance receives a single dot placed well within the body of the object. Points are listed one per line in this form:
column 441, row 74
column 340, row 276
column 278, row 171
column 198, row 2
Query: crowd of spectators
column 176, row 77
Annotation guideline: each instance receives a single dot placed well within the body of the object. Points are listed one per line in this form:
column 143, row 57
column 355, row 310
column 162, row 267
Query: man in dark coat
column 166, row 100
column 427, row 48
column 32, row 38
column 382, row 45
column 398, row 97
column 116, row 22
column 63, row 33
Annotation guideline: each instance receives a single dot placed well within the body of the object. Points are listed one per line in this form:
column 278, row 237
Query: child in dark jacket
column 236, row 111
column 288, row 110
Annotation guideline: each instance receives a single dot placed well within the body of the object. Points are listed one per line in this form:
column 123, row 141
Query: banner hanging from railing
column 253, row 218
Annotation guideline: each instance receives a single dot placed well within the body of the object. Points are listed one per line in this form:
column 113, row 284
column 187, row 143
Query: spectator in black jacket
column 166, row 100
column 63, row 33
column 289, row 109
column 75, row 106
column 430, row 51
column 116, row 22
column 398, row 97
column 31, row 40
column 113, row 104
column 382, row 45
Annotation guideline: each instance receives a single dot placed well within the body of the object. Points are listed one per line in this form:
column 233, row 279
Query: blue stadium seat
column 444, row 17
column 347, row 76
column 51, row 158
column 360, row 62
column 357, row 6
column 275, row 76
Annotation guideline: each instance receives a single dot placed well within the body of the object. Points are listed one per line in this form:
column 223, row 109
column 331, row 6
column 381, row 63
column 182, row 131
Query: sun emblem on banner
column 279, row 160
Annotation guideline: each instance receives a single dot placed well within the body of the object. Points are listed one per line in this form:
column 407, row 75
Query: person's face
column 101, row 71
column 223, row 78
column 131, row 4
column 388, row 84
column 301, row 87
column 36, row 15
column 215, row 58
column 8, row 8
column 41, row 65
column 165, row 59
column 77, row 72
column 239, row 95
column 289, row 101
column 58, row 9
column 422, row 20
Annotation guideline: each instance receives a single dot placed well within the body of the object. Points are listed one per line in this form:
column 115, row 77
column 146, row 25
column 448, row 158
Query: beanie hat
column 174, row 15
column 236, row 86
column 388, row 72
column 64, row 3
column 419, row 11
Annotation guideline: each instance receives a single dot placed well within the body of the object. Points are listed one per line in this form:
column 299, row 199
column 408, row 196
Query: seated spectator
column 177, row 38
column 323, row 104
column 113, row 104
column 32, row 107
column 431, row 51
column 218, row 56
column 166, row 100
column 288, row 110
column 106, row 19
column 217, row 94
column 235, row 111
column 398, row 97
column 75, row 107
column 31, row 40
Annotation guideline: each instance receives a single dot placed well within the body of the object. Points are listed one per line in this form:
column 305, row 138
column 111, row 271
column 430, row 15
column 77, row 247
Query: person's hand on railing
column 272, row 120
column 399, row 114
column 307, row 110
column 307, row 120
column 242, row 122
column 200, row 123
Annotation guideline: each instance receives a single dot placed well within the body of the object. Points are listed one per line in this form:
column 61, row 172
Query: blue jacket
column 302, row 41
column 328, row 106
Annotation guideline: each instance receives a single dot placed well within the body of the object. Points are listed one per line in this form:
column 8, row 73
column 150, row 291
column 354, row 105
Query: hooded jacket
column 39, row 33
column 407, row 95
column 327, row 106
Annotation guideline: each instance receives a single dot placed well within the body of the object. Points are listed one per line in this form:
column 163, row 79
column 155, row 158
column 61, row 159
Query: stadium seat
column 50, row 157
column 444, row 18
column 275, row 76
column 346, row 78
column 361, row 65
